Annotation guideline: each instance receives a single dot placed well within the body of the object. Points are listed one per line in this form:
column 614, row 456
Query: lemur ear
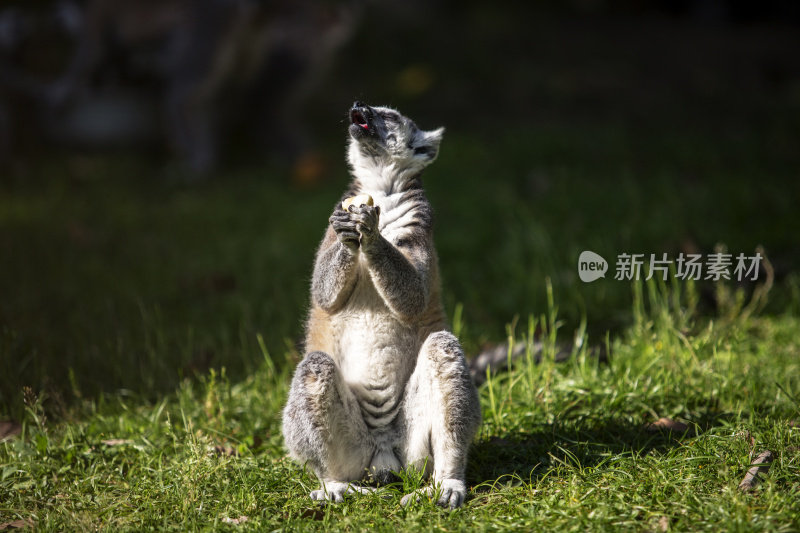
column 428, row 144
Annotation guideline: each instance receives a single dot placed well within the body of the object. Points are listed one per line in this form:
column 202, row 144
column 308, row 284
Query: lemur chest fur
column 396, row 214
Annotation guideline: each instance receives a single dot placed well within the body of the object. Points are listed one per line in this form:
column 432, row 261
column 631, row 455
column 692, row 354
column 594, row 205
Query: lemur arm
column 335, row 273
column 400, row 277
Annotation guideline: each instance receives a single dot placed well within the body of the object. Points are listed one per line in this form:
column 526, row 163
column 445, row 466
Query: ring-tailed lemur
column 384, row 385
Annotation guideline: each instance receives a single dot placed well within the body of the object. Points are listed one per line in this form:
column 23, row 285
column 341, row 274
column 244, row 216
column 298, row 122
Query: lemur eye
column 423, row 150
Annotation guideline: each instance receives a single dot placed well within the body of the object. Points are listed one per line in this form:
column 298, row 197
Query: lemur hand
column 345, row 228
column 366, row 218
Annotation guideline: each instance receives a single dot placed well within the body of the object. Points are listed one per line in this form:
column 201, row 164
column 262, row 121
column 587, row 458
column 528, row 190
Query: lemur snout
column 359, row 114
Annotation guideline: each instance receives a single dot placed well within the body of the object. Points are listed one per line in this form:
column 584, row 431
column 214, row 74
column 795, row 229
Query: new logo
column 591, row 266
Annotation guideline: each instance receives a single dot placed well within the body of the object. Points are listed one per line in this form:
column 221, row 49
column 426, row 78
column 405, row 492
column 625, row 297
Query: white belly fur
column 375, row 352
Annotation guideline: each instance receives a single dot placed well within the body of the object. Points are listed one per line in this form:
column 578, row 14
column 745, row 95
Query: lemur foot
column 451, row 493
column 335, row 491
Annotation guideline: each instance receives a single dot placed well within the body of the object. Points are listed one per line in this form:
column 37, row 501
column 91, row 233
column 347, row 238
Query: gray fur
column 384, row 386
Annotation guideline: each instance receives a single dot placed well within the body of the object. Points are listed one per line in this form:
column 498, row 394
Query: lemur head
column 381, row 138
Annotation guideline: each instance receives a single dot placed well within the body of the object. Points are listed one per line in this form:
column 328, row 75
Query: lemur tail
column 497, row 358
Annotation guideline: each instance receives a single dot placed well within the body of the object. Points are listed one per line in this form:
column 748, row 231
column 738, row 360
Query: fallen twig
column 116, row 442
column 760, row 465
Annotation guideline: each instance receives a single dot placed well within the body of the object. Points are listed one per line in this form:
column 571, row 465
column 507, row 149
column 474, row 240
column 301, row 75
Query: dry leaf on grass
column 667, row 424
column 760, row 466
column 235, row 521
column 16, row 524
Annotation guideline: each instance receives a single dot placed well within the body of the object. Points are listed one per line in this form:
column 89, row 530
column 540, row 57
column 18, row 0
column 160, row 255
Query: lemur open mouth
column 358, row 118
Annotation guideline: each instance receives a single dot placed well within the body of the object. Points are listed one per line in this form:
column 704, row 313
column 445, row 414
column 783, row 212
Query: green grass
column 563, row 446
column 162, row 319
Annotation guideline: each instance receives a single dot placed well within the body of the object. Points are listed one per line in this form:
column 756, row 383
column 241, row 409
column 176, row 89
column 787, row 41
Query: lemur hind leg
column 323, row 427
column 442, row 416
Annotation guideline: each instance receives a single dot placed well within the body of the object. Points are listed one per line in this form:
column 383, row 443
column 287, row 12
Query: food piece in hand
column 358, row 201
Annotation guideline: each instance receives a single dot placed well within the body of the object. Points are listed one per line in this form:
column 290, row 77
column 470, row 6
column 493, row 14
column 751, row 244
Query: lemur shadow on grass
column 529, row 455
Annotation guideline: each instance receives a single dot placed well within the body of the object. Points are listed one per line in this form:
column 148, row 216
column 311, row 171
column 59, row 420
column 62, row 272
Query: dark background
column 638, row 127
